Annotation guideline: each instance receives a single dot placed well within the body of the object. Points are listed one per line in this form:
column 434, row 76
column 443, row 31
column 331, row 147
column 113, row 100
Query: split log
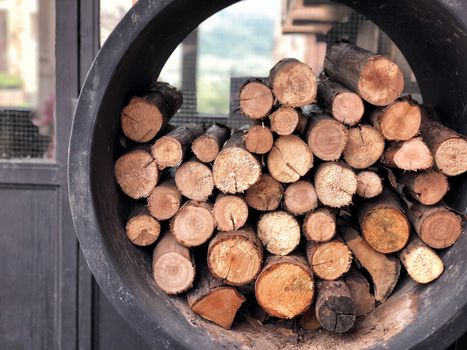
column 230, row 212
column 141, row 228
column 207, row 146
column 287, row 121
column 329, row 260
column 266, row 194
column 335, row 184
column 400, row 121
column 359, row 289
column 343, row 104
column 172, row 148
column 375, row 78
column 285, row 286
column 364, row 147
column 411, row 155
column 256, row 100
column 213, row 300
column 289, row 159
column 259, row 139
column 173, row 266
column 279, row 232
column 426, row 187
column 194, row 180
column 449, row 149
column 437, row 226
column 193, row 225
column 383, row 269
column 235, row 169
column 383, row 223
column 335, row 309
column 136, row 173
column 319, row 225
column 300, row 197
column 369, row 184
column 421, row 262
column 144, row 117
column 293, row 83
column 164, row 200
column 326, row 137
column 235, row 256
column 309, row 321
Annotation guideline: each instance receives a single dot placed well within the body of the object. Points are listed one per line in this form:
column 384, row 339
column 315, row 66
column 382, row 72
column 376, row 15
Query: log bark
column 449, row 149
column 383, row 269
column 207, row 146
column 266, row 194
column 410, row 155
column 335, row 309
column 285, row 286
column 421, row 262
column 194, row 180
column 364, row 147
column 369, row 184
column 326, row 137
column 141, row 228
column 213, row 300
column 300, row 197
column 136, row 173
column 335, row 184
column 235, row 169
column 383, row 223
column 427, row 187
column 343, row 104
column 279, row 232
column 289, row 159
column 144, row 117
column 235, row 256
column 329, row 260
column 359, row 289
column 259, row 139
column 230, row 212
column 256, row 100
column 320, row 225
column 193, row 224
column 173, row 265
column 164, row 200
column 400, row 121
column 293, row 83
column 436, row 225
column 287, row 121
column 376, row 79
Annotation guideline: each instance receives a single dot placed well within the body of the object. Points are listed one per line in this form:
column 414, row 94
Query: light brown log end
column 347, row 107
column 142, row 229
column 427, row 187
column 230, row 212
column 164, row 200
column 319, row 225
column 259, row 139
column 369, row 184
column 335, row 184
column 412, row 155
column 167, row 151
column 279, row 232
column 300, row 197
column 256, row 100
column 364, row 147
column 285, row 121
column 141, row 120
column 266, row 194
column 329, row 260
column 194, row 180
column 451, row 156
column 205, row 149
column 327, row 139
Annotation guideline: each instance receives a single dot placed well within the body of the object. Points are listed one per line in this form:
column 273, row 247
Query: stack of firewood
column 337, row 180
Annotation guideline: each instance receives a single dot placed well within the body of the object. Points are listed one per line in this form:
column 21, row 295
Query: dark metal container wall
column 432, row 34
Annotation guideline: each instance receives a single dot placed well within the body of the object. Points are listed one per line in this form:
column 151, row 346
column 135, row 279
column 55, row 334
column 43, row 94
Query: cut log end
column 285, row 121
column 399, row 121
column 347, row 107
column 364, row 148
column 335, row 184
column 141, row 120
column 193, row 225
column 330, row 260
column 230, row 212
column 194, row 180
column 410, row 155
column 381, row 81
column 441, row 228
column 256, row 100
column 369, row 184
column 164, row 201
column 451, row 156
column 319, row 225
column 142, row 230
column 285, row 287
column 279, row 232
column 327, row 139
column 300, row 197
column 265, row 195
column 205, row 149
column 426, row 187
column 289, row 159
column 136, row 173
column 167, row 151
column 259, row 139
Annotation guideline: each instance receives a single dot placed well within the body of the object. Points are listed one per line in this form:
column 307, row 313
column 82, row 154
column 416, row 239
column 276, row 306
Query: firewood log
column 364, row 147
column 207, row 146
column 259, row 139
column 411, row 155
column 165, row 200
column 427, row 187
column 256, row 100
column 335, row 184
column 194, row 180
column 300, row 197
column 141, row 228
column 359, row 289
column 369, row 184
column 266, row 194
column 230, row 212
column 320, row 225
column 329, row 260
column 279, row 232
column 287, row 121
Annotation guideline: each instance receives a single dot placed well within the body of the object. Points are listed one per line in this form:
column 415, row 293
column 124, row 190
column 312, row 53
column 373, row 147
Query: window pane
column 27, row 79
